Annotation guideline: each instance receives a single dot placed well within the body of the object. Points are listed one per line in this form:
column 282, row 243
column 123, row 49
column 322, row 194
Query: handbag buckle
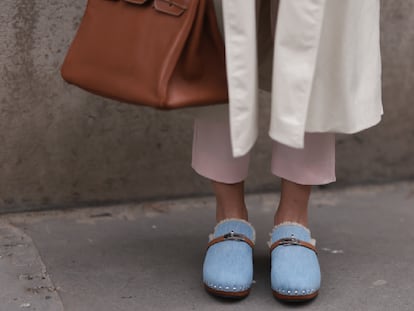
column 233, row 236
column 289, row 241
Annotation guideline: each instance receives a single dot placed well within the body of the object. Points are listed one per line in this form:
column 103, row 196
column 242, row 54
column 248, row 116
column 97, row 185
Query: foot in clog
column 295, row 271
column 228, row 263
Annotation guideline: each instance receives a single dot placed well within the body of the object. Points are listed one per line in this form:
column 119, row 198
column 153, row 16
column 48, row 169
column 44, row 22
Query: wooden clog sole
column 295, row 298
column 224, row 294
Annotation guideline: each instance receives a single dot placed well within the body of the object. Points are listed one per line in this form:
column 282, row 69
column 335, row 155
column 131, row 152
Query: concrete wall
column 60, row 146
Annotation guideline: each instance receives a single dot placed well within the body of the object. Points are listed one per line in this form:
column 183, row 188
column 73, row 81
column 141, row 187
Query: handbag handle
column 170, row 7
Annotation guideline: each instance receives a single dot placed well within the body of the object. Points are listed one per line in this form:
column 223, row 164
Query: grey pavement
column 149, row 256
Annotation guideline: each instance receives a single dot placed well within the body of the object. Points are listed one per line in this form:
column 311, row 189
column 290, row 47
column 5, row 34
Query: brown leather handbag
column 161, row 53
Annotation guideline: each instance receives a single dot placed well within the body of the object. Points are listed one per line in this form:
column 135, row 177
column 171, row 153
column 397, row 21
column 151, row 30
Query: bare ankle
column 226, row 212
column 230, row 201
column 293, row 206
column 300, row 218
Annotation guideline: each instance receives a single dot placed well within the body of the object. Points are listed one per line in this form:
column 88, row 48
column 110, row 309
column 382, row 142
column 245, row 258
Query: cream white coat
column 326, row 74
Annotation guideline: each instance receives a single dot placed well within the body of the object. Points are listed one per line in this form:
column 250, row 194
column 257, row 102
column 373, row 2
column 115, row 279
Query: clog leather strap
column 292, row 241
column 231, row 236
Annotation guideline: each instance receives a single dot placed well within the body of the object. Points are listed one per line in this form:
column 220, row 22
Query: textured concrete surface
column 63, row 147
column 25, row 284
column 148, row 257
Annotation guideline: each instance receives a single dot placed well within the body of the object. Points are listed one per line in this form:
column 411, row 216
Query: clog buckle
column 233, row 236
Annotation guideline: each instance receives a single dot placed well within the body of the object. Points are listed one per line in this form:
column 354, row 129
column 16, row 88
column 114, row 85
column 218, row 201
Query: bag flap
column 171, row 7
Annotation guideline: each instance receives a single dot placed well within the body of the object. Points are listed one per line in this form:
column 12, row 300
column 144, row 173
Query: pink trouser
column 212, row 156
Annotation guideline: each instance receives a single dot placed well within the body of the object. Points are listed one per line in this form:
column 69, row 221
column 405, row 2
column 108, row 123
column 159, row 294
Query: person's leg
column 299, row 169
column 229, row 201
column 295, row 271
column 293, row 204
column 228, row 264
column 212, row 158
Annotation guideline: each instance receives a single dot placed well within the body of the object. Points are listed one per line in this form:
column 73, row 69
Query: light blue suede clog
column 228, row 263
column 295, row 271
